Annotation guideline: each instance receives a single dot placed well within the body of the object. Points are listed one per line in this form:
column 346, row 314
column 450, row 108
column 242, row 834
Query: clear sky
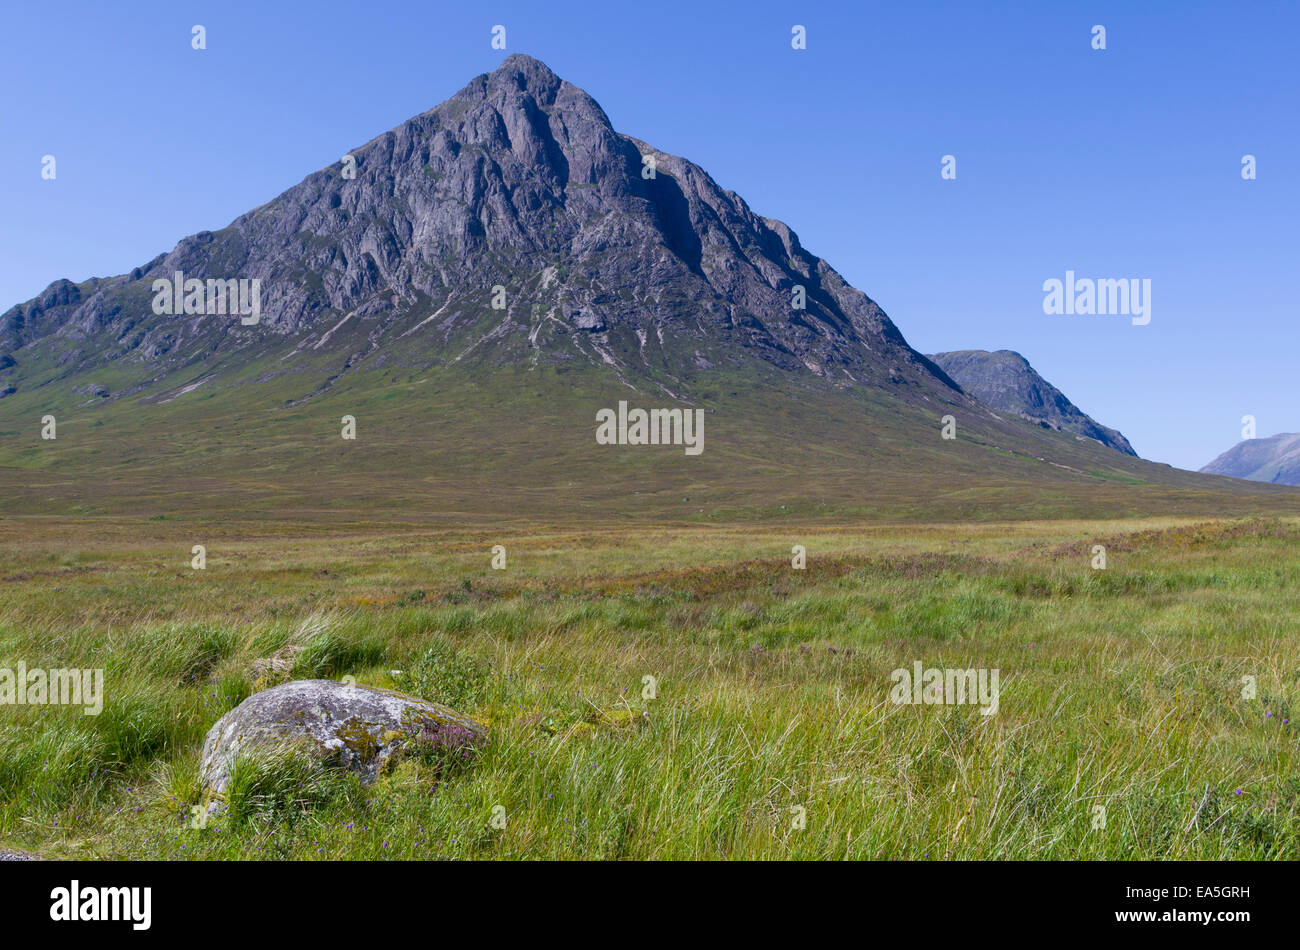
column 1118, row 163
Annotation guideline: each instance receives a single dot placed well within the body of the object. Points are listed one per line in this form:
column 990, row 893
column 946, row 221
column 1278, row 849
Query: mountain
column 519, row 182
column 473, row 289
column 1005, row 380
column 1275, row 459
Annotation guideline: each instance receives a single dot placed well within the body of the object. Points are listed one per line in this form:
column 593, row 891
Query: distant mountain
column 1004, row 380
column 1275, row 459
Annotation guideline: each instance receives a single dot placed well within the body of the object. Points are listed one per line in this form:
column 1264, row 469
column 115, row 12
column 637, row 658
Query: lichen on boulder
column 362, row 728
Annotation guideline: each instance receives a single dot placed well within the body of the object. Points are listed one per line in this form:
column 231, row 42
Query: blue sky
column 1117, row 163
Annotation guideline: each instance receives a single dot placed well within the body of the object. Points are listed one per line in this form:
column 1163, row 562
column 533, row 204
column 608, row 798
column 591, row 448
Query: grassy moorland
column 1120, row 688
column 486, row 445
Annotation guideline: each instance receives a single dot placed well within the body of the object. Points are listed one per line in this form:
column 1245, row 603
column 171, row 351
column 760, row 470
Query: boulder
column 354, row 727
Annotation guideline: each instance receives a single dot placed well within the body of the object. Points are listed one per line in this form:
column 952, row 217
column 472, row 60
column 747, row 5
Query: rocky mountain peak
column 1004, row 380
column 509, row 224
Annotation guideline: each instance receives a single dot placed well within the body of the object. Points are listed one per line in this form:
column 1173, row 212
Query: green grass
column 1121, row 688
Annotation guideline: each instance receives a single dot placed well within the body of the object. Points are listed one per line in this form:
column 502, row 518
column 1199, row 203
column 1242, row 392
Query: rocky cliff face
column 509, row 224
column 1275, row 459
column 1004, row 380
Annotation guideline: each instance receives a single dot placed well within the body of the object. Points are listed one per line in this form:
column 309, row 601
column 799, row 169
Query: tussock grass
column 770, row 733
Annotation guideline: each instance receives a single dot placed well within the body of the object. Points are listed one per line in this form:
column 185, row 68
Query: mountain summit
column 510, row 223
